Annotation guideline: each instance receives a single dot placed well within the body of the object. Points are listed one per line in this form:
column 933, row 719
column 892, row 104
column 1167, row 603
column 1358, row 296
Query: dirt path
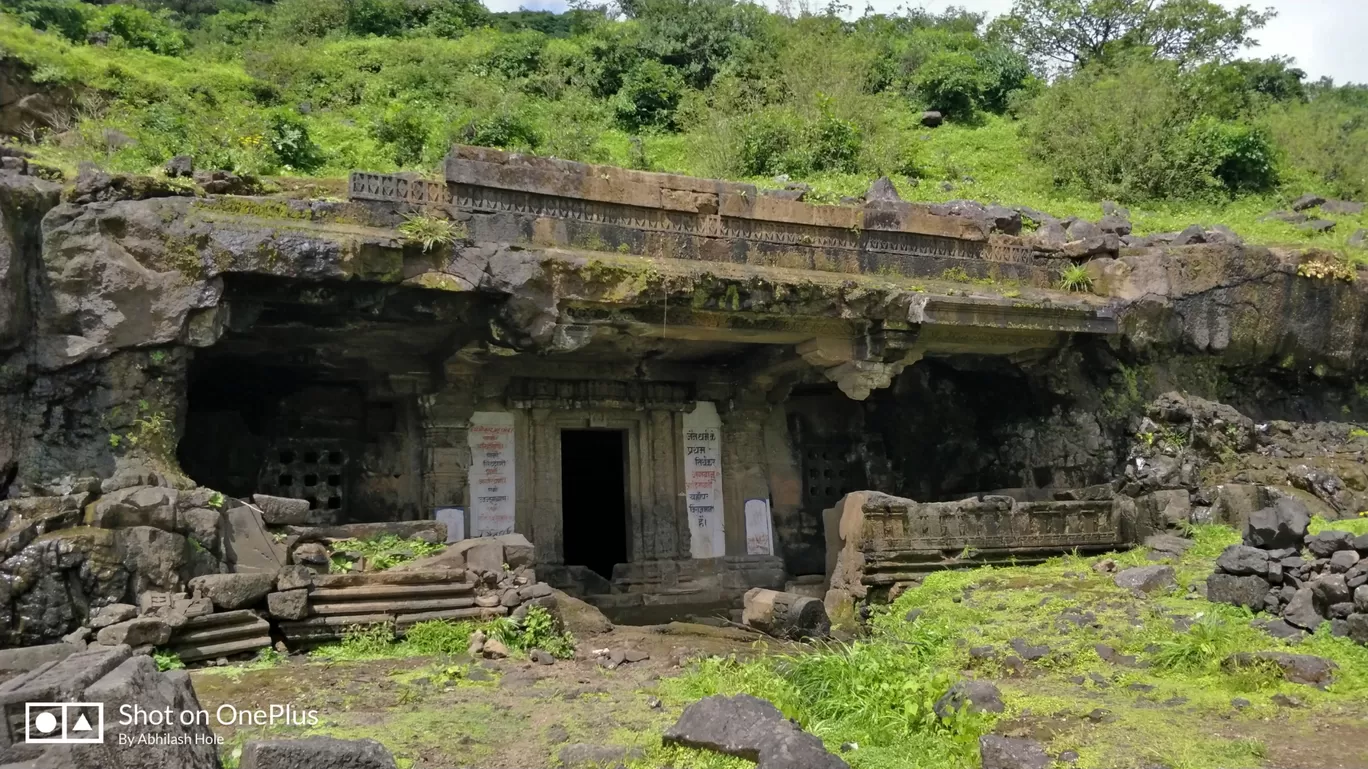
column 455, row 712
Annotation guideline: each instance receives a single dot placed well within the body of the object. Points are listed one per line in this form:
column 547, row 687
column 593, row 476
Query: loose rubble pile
column 1306, row 580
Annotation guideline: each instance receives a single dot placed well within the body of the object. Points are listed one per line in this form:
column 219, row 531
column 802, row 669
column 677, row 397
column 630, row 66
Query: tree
column 1066, row 34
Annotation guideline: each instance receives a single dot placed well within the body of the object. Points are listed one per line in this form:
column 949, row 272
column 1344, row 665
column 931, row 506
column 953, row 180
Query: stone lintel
column 484, row 167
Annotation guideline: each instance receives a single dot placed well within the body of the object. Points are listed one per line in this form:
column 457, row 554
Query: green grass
column 537, row 630
column 1357, row 526
column 878, row 691
column 430, row 231
column 380, row 553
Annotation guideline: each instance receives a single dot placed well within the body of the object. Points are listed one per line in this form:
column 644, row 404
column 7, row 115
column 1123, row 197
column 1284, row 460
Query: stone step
column 355, row 607
column 220, row 618
column 337, row 621
column 389, row 578
column 319, row 595
column 219, row 633
column 478, row 612
column 196, row 652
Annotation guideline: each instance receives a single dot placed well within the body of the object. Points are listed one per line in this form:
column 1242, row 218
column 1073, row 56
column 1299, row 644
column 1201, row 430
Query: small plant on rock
column 167, row 660
column 537, row 630
column 1075, row 278
column 430, row 231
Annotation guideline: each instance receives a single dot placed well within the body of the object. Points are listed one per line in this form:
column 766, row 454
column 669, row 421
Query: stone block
column 482, row 555
column 153, row 506
column 26, row 658
column 281, row 511
column 293, row 578
column 288, row 604
column 247, row 546
column 112, row 615
column 1248, row 591
column 136, row 632
column 234, row 591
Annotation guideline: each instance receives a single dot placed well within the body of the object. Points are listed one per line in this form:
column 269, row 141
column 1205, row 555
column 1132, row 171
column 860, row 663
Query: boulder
column 1168, row 544
column 1166, row 508
column 997, row 752
column 971, row 696
column 1249, row 591
column 136, row 632
column 1297, row 668
column 1359, row 239
column 785, row 615
column 1330, row 589
column 1327, row 543
column 1361, row 599
column 1306, row 201
column 247, row 547
column 1243, row 560
column 1282, row 524
column 882, row 191
column 1317, row 226
column 1192, row 236
column 282, row 511
column 136, row 506
column 201, row 525
column 932, row 119
column 1146, row 579
column 1082, row 229
column 1357, row 626
column 293, row 578
column 180, row 166
column 112, row 615
column 1003, row 219
column 1343, row 560
column 234, row 591
column 1301, row 610
column 750, row 728
column 580, row 618
column 288, row 604
column 314, row 752
column 26, row 658
column 1232, row 503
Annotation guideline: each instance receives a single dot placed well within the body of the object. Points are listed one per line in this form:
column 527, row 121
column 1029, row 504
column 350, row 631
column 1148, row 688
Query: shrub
column 402, row 129
column 951, row 82
column 1133, row 133
column 1239, row 156
column 777, row 141
column 506, row 129
column 649, row 96
column 292, row 19
column 1325, row 141
column 1075, row 278
column 430, row 232
column 139, row 28
column 68, row 18
column 289, row 139
column 536, row 630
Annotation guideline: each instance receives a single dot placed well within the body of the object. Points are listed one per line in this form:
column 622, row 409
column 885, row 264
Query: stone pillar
column 659, row 526
column 545, row 496
column 744, row 473
column 444, row 419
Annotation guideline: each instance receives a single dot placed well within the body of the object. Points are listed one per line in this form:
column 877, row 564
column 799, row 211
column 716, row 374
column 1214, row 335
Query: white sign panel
column 492, row 492
column 454, row 518
column 703, row 481
column 759, row 530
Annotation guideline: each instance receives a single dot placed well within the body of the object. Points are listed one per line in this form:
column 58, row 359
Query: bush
column 505, row 129
column 778, row 141
column 68, row 18
column 293, row 19
column 649, row 96
column 402, row 130
column 1239, row 156
column 1325, row 142
column 1134, row 134
column 138, row 28
column 289, row 139
column 951, row 82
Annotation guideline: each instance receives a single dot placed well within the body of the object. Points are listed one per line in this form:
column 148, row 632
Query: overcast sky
column 1326, row 37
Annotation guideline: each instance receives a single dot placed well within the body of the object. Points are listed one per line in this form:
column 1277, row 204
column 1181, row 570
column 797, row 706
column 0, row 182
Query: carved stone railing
column 875, row 541
column 551, row 202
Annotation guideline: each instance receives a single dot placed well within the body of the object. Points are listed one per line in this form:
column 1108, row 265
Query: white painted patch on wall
column 492, row 487
column 454, row 518
column 703, row 481
column 759, row 528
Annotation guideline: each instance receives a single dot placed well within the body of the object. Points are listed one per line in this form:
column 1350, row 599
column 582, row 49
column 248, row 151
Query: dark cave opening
column 254, row 427
column 594, row 498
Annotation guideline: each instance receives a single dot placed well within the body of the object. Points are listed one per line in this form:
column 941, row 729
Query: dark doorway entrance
column 594, row 498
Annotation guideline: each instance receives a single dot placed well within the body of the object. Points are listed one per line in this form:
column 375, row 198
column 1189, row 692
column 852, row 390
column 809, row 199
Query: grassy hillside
column 705, row 87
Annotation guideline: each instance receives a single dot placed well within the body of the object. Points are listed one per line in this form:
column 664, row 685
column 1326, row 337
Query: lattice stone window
column 313, row 472
column 825, row 474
